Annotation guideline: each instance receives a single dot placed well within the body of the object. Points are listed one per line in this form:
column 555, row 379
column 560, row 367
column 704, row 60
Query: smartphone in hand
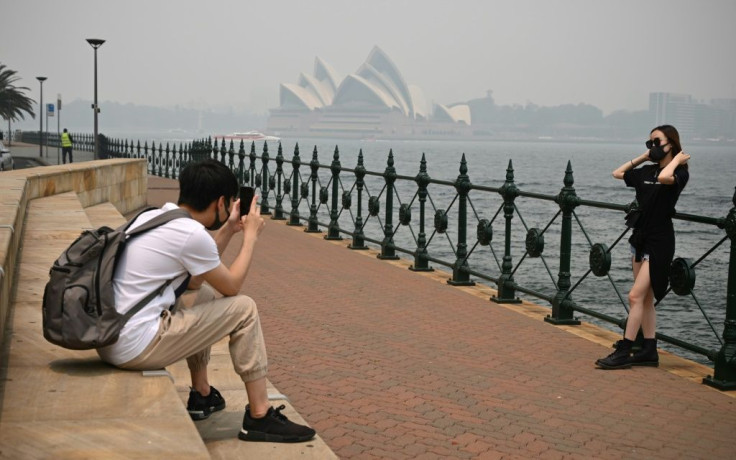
column 246, row 197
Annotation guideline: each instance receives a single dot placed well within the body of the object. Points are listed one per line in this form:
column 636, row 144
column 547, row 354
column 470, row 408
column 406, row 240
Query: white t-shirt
column 171, row 251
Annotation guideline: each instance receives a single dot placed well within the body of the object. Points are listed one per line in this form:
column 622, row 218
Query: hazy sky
column 607, row 53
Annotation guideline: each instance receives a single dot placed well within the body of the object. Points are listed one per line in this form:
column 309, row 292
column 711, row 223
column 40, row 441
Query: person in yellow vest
column 66, row 146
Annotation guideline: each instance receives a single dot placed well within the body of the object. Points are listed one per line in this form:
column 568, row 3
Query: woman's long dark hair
column 673, row 137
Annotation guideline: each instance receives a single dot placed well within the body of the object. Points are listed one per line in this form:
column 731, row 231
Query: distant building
column 374, row 102
column 693, row 119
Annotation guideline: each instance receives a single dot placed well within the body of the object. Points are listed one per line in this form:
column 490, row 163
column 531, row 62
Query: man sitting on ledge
column 186, row 318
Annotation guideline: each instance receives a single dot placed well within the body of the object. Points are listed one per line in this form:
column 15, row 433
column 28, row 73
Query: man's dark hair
column 203, row 182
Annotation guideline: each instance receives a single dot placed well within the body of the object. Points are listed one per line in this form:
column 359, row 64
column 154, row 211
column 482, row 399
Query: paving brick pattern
column 387, row 363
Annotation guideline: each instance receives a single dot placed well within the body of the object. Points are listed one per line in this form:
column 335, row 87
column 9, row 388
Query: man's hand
column 252, row 223
column 233, row 222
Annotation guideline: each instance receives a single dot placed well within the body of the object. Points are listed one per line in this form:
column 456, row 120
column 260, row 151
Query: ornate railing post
column 460, row 277
column 278, row 211
column 167, row 161
column 265, row 182
column 506, row 285
column 296, row 162
column 231, row 157
column 421, row 264
column 333, row 230
column 724, row 375
column 387, row 250
column 562, row 303
column 252, row 165
column 358, row 236
column 241, row 164
column 313, row 226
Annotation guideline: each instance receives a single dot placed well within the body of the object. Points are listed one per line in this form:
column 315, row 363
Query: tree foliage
column 13, row 101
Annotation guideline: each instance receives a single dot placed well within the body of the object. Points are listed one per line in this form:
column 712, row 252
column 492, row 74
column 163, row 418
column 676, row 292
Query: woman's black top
column 654, row 233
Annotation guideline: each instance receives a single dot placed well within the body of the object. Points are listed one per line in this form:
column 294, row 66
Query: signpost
column 58, row 131
column 49, row 113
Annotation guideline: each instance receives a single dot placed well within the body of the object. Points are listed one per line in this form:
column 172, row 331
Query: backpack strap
column 157, row 221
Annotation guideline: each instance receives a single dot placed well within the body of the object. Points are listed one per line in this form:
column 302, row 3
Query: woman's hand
column 682, row 158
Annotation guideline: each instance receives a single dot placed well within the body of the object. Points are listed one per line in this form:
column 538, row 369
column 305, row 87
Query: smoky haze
column 234, row 54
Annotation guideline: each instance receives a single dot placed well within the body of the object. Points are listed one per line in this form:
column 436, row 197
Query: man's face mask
column 656, row 150
column 217, row 224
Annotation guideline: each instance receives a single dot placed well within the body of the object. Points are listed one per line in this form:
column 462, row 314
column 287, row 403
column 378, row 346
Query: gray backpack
column 78, row 301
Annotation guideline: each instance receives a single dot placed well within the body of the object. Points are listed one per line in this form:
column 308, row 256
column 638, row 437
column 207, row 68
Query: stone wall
column 122, row 182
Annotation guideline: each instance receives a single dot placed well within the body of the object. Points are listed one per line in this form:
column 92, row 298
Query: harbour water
column 539, row 167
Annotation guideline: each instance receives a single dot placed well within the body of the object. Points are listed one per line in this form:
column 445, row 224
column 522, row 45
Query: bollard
column 724, row 375
column 312, row 223
column 562, row 303
column 333, row 230
column 296, row 162
column 421, row 263
column 387, row 250
column 506, row 292
column 460, row 276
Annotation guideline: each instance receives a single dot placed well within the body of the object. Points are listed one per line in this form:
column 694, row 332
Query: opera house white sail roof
column 376, row 85
column 373, row 102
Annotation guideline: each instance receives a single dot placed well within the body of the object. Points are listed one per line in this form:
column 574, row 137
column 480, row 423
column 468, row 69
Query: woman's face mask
column 656, row 149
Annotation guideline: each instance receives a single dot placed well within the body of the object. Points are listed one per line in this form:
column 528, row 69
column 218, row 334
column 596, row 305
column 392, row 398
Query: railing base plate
column 562, row 322
column 719, row 384
column 452, row 282
column 420, row 269
column 498, row 300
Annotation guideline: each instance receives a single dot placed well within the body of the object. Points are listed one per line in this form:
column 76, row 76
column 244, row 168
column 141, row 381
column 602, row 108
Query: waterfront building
column 694, row 120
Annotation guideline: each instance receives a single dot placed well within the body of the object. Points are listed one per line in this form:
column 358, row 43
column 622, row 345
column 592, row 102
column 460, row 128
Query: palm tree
column 13, row 103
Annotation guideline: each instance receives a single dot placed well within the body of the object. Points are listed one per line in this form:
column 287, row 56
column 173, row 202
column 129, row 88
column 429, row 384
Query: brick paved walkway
column 388, row 363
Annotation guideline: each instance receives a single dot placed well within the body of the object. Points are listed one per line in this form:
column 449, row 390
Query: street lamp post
column 96, row 43
column 40, row 118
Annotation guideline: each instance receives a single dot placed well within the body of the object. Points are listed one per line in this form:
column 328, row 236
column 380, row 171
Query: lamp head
column 41, row 79
column 95, row 42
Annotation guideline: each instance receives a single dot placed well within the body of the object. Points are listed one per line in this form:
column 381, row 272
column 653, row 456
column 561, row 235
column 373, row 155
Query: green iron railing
column 326, row 207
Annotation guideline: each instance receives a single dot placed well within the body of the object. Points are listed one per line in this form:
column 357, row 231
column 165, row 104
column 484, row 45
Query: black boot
column 619, row 359
column 647, row 356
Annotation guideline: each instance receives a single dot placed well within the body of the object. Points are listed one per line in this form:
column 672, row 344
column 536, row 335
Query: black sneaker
column 200, row 407
column 274, row 427
column 619, row 359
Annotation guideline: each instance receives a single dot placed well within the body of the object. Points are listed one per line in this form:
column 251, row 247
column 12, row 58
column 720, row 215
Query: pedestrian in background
column 66, row 146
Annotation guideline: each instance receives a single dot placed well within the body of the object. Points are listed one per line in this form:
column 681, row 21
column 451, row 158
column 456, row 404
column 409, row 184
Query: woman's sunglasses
column 651, row 143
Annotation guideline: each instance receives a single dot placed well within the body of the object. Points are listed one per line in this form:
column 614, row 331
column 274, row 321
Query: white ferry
column 249, row 136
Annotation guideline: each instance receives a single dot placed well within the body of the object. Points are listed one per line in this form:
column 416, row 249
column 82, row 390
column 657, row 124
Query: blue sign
column 50, row 110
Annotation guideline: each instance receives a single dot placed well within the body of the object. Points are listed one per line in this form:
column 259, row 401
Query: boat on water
column 248, row 136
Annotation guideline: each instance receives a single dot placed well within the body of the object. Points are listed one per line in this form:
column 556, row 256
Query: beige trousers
column 200, row 320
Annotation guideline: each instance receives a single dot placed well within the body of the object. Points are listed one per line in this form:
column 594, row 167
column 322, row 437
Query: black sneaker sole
column 259, row 436
column 205, row 413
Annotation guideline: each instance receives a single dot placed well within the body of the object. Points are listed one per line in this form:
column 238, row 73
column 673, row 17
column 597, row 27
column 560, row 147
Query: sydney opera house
column 375, row 102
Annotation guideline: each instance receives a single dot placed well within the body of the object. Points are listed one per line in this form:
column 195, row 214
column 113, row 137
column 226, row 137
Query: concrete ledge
column 67, row 403
column 122, row 182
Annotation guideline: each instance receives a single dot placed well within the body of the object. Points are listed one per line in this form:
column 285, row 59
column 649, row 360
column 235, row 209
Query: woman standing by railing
column 658, row 187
